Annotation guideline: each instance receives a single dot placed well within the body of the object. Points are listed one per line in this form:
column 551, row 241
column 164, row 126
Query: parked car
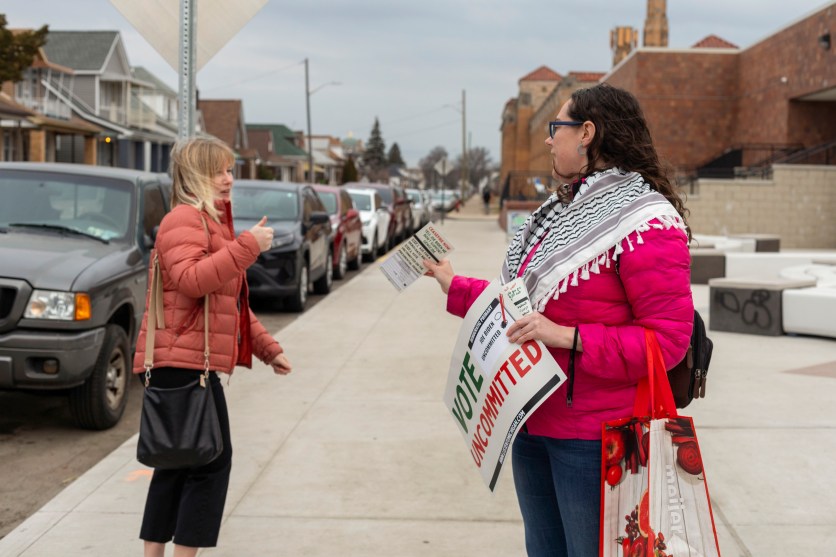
column 75, row 241
column 375, row 218
column 421, row 207
column 397, row 203
column 445, row 200
column 346, row 226
column 299, row 259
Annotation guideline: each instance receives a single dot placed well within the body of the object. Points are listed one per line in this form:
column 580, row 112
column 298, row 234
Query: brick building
column 713, row 109
column 714, row 106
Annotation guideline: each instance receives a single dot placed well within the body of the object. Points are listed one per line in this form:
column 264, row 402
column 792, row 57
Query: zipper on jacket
column 571, row 382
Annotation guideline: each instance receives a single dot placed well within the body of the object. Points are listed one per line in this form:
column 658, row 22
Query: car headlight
column 367, row 221
column 283, row 240
column 63, row 306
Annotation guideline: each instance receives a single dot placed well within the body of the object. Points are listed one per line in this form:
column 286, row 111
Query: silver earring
column 581, row 150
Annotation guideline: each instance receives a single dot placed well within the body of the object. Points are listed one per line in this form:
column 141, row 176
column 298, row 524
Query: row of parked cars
column 75, row 242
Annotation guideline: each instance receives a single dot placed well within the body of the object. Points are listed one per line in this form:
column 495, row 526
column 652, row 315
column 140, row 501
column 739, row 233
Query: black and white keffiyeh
column 576, row 238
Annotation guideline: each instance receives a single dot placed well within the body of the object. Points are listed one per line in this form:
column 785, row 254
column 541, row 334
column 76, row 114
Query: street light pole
column 308, row 110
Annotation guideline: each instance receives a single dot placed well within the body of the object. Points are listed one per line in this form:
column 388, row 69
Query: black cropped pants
column 187, row 504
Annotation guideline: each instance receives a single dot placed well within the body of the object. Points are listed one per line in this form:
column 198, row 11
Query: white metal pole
column 188, row 25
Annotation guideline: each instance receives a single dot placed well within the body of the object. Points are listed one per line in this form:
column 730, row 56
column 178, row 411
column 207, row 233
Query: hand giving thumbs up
column 263, row 234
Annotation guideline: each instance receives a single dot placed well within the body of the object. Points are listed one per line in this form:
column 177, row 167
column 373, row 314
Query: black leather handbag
column 179, row 427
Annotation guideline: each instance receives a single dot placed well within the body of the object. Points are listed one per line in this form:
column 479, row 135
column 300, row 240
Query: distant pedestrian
column 200, row 255
column 604, row 258
column 486, row 198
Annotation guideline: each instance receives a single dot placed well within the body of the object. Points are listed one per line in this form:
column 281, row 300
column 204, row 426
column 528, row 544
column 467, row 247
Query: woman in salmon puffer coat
column 199, row 254
column 603, row 258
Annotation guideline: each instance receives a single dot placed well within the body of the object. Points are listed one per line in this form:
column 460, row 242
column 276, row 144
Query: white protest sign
column 403, row 266
column 494, row 385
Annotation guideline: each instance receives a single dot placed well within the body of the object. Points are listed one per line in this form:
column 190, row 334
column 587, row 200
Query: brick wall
column 798, row 204
column 688, row 98
column 782, row 68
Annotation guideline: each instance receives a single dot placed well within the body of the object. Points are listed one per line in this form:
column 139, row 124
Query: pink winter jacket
column 188, row 274
column 651, row 290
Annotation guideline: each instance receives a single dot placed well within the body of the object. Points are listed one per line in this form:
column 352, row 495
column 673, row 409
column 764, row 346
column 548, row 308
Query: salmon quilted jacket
column 193, row 265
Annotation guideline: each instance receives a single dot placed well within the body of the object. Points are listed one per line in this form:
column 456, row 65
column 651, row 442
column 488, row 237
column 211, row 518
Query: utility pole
column 188, row 50
column 464, row 146
column 308, row 110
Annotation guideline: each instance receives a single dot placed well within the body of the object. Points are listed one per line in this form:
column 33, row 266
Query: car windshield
column 329, row 200
column 386, row 195
column 90, row 205
column 415, row 196
column 362, row 202
column 254, row 203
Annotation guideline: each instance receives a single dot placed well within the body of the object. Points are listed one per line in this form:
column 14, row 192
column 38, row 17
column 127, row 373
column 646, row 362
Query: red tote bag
column 654, row 495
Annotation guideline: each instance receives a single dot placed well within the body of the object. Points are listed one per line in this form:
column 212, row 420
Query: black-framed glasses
column 553, row 125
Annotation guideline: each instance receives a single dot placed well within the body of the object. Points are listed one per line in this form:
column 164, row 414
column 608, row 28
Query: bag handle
column 156, row 317
column 654, row 391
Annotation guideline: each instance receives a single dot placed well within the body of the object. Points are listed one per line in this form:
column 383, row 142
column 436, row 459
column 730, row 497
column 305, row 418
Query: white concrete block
column 810, row 311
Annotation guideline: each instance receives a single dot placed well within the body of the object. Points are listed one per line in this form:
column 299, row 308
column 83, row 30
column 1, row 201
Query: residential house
column 224, row 119
column 37, row 125
column 105, row 93
column 286, row 159
column 328, row 158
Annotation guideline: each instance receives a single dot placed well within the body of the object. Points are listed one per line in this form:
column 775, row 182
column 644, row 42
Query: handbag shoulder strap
column 156, row 317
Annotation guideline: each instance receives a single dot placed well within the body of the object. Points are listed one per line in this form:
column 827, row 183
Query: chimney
column 656, row 24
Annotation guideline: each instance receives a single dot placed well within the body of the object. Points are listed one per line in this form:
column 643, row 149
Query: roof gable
column 80, row 50
column 543, row 73
column 283, row 139
column 142, row 74
column 713, row 41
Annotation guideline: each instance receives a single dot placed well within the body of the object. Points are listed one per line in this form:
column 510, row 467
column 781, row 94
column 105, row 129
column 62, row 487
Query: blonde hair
column 194, row 164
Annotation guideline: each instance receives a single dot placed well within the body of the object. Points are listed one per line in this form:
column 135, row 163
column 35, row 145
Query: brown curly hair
column 622, row 139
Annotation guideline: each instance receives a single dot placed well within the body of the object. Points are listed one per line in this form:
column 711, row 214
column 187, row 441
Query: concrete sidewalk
column 354, row 453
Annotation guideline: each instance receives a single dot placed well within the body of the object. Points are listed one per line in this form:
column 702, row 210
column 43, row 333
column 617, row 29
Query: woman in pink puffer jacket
column 603, row 259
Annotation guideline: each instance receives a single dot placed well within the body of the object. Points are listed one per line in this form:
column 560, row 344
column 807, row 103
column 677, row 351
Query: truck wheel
column 323, row 284
column 100, row 402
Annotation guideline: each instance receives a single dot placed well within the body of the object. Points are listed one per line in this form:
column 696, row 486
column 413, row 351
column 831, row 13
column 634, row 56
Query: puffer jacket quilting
column 188, row 273
column 611, row 310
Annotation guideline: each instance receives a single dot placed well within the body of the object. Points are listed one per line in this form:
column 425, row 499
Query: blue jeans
column 558, row 483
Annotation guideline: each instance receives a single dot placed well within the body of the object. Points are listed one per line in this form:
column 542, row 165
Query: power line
column 247, row 80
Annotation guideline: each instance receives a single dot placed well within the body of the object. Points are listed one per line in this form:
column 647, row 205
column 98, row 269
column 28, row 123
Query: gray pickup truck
column 74, row 247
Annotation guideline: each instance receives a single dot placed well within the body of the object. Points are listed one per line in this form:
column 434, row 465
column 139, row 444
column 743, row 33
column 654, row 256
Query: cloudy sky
column 408, row 62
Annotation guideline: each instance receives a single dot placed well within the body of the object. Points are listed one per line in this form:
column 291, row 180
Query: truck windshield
column 90, row 205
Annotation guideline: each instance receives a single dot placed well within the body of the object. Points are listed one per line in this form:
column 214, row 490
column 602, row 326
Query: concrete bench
column 749, row 305
column 810, row 311
column 723, row 243
column 742, row 265
column 824, row 275
column 763, row 242
column 707, row 264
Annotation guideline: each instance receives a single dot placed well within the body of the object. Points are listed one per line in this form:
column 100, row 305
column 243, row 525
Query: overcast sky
column 408, row 62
